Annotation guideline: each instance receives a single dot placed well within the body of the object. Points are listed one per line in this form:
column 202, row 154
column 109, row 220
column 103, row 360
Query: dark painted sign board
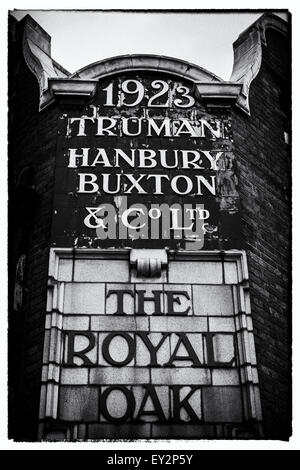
column 146, row 165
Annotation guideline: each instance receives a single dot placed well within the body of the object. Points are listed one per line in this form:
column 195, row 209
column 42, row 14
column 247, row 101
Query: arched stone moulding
column 152, row 62
column 54, row 81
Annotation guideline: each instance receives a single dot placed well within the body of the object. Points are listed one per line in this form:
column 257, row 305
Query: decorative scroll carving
column 148, row 263
column 248, row 54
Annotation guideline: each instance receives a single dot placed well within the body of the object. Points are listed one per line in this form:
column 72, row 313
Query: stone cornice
column 63, row 87
column 223, row 91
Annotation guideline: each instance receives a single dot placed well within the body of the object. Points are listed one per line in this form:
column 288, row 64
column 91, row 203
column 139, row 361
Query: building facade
column 149, row 243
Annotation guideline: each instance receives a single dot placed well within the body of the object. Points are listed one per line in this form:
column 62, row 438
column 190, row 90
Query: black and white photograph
column 149, row 240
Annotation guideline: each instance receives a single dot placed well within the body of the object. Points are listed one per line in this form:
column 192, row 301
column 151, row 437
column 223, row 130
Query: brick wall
column 263, row 159
column 32, row 140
